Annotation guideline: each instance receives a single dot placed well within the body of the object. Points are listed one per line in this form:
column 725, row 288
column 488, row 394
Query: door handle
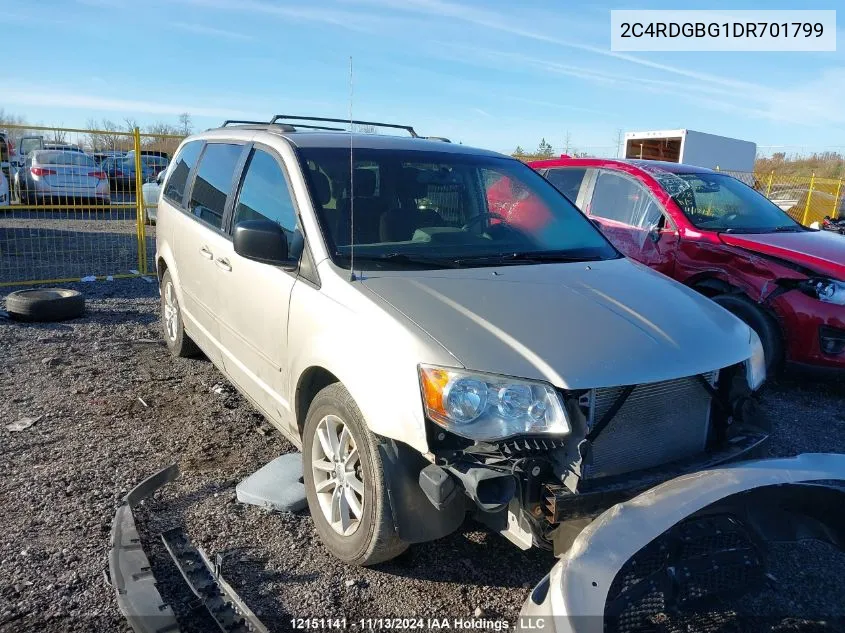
column 224, row 264
column 206, row 253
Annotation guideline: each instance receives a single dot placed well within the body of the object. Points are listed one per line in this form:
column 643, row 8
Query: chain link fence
column 76, row 207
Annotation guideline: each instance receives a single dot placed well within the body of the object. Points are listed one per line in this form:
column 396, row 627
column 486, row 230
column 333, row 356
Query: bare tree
column 162, row 137
column 9, row 119
column 57, row 136
column 186, row 126
column 105, row 135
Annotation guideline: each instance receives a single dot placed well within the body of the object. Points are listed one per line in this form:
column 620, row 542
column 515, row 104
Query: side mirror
column 160, row 177
column 263, row 241
column 654, row 233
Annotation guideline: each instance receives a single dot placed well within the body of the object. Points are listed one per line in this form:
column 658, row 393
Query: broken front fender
column 574, row 597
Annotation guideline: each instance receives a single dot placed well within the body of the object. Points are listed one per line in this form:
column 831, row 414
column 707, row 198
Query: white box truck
column 692, row 148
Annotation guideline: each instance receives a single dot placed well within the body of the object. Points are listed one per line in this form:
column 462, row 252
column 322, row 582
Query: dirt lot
column 61, row 479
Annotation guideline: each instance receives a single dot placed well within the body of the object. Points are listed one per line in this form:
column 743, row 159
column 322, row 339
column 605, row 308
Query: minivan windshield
column 443, row 209
column 718, row 202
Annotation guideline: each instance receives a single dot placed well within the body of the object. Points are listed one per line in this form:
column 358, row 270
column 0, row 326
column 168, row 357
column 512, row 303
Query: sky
column 493, row 74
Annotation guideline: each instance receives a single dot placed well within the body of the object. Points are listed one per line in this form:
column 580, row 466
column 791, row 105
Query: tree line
column 104, row 134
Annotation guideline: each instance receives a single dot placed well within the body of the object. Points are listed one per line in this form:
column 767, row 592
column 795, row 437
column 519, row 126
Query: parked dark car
column 725, row 240
column 121, row 171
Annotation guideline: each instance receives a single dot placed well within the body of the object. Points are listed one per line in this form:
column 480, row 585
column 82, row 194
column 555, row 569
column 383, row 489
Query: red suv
column 724, row 239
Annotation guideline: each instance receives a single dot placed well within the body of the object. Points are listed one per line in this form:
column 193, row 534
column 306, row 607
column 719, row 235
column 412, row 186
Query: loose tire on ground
column 45, row 304
column 173, row 329
column 375, row 539
column 759, row 321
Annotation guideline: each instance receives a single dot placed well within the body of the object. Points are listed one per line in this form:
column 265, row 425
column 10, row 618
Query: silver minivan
column 442, row 333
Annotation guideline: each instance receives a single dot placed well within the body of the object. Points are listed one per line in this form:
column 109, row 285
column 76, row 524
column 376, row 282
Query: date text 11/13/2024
column 399, row 624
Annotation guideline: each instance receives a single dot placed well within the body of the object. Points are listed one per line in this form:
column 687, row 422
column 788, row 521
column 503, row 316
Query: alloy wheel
column 338, row 477
column 171, row 312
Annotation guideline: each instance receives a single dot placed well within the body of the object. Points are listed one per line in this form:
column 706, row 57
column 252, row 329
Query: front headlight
column 827, row 290
column 755, row 367
column 486, row 407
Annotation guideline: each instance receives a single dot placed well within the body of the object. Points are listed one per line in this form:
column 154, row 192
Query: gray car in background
column 61, row 177
column 392, row 307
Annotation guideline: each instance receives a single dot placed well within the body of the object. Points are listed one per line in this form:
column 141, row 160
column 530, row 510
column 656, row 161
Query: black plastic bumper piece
column 203, row 577
column 129, row 568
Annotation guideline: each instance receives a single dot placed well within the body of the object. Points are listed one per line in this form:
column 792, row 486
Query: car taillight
column 100, row 175
column 41, row 171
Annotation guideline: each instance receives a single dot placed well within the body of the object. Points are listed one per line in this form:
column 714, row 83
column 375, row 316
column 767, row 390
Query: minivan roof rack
column 287, row 118
column 240, row 122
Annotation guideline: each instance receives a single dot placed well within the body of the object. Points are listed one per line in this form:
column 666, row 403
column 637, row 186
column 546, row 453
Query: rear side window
column 567, row 180
column 265, row 194
column 174, row 188
column 622, row 199
column 213, row 182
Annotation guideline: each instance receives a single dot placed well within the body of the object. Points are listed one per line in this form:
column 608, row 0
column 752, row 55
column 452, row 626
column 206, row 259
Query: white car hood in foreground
column 580, row 582
column 578, row 325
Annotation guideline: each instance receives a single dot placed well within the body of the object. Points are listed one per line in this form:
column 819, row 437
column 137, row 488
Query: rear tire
column 178, row 341
column 369, row 536
column 762, row 323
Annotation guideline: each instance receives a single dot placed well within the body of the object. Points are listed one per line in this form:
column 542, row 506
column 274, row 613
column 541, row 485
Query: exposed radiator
column 659, row 423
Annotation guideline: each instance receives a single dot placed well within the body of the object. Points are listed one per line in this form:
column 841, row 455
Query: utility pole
column 619, row 137
column 566, row 142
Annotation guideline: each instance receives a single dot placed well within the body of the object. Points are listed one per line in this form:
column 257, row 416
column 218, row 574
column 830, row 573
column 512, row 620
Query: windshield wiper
column 538, row 257
column 404, row 258
column 790, row 228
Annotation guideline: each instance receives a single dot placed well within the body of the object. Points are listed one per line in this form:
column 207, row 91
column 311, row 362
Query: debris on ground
column 221, row 389
column 22, row 424
column 276, row 486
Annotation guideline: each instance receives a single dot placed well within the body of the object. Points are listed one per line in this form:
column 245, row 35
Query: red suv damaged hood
column 820, row 251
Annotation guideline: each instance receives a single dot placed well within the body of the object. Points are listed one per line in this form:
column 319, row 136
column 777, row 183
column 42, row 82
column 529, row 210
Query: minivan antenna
column 351, row 184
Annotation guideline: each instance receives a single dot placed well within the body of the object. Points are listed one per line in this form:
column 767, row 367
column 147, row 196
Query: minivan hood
column 578, row 325
column 820, row 251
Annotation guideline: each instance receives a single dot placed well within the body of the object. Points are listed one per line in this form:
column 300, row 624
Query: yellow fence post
column 140, row 211
column 769, row 184
column 809, row 197
column 835, row 211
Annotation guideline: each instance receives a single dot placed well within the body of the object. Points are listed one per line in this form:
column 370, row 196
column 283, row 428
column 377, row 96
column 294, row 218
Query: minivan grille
column 659, row 423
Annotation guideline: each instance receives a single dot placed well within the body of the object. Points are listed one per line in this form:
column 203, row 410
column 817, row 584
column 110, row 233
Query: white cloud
column 208, row 30
column 352, row 20
column 45, row 97
column 497, row 21
column 816, row 102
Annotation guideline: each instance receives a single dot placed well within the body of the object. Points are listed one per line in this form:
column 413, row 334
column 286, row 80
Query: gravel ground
column 60, row 481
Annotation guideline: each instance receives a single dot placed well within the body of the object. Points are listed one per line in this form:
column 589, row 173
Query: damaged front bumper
column 129, row 568
column 597, row 583
column 131, row 576
column 543, row 490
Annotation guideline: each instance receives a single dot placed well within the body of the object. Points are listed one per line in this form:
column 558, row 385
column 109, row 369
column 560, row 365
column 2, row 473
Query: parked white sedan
column 4, row 190
column 151, row 192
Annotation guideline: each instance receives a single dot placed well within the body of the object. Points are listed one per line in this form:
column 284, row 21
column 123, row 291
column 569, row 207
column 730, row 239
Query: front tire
column 178, row 341
column 345, row 481
column 758, row 320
